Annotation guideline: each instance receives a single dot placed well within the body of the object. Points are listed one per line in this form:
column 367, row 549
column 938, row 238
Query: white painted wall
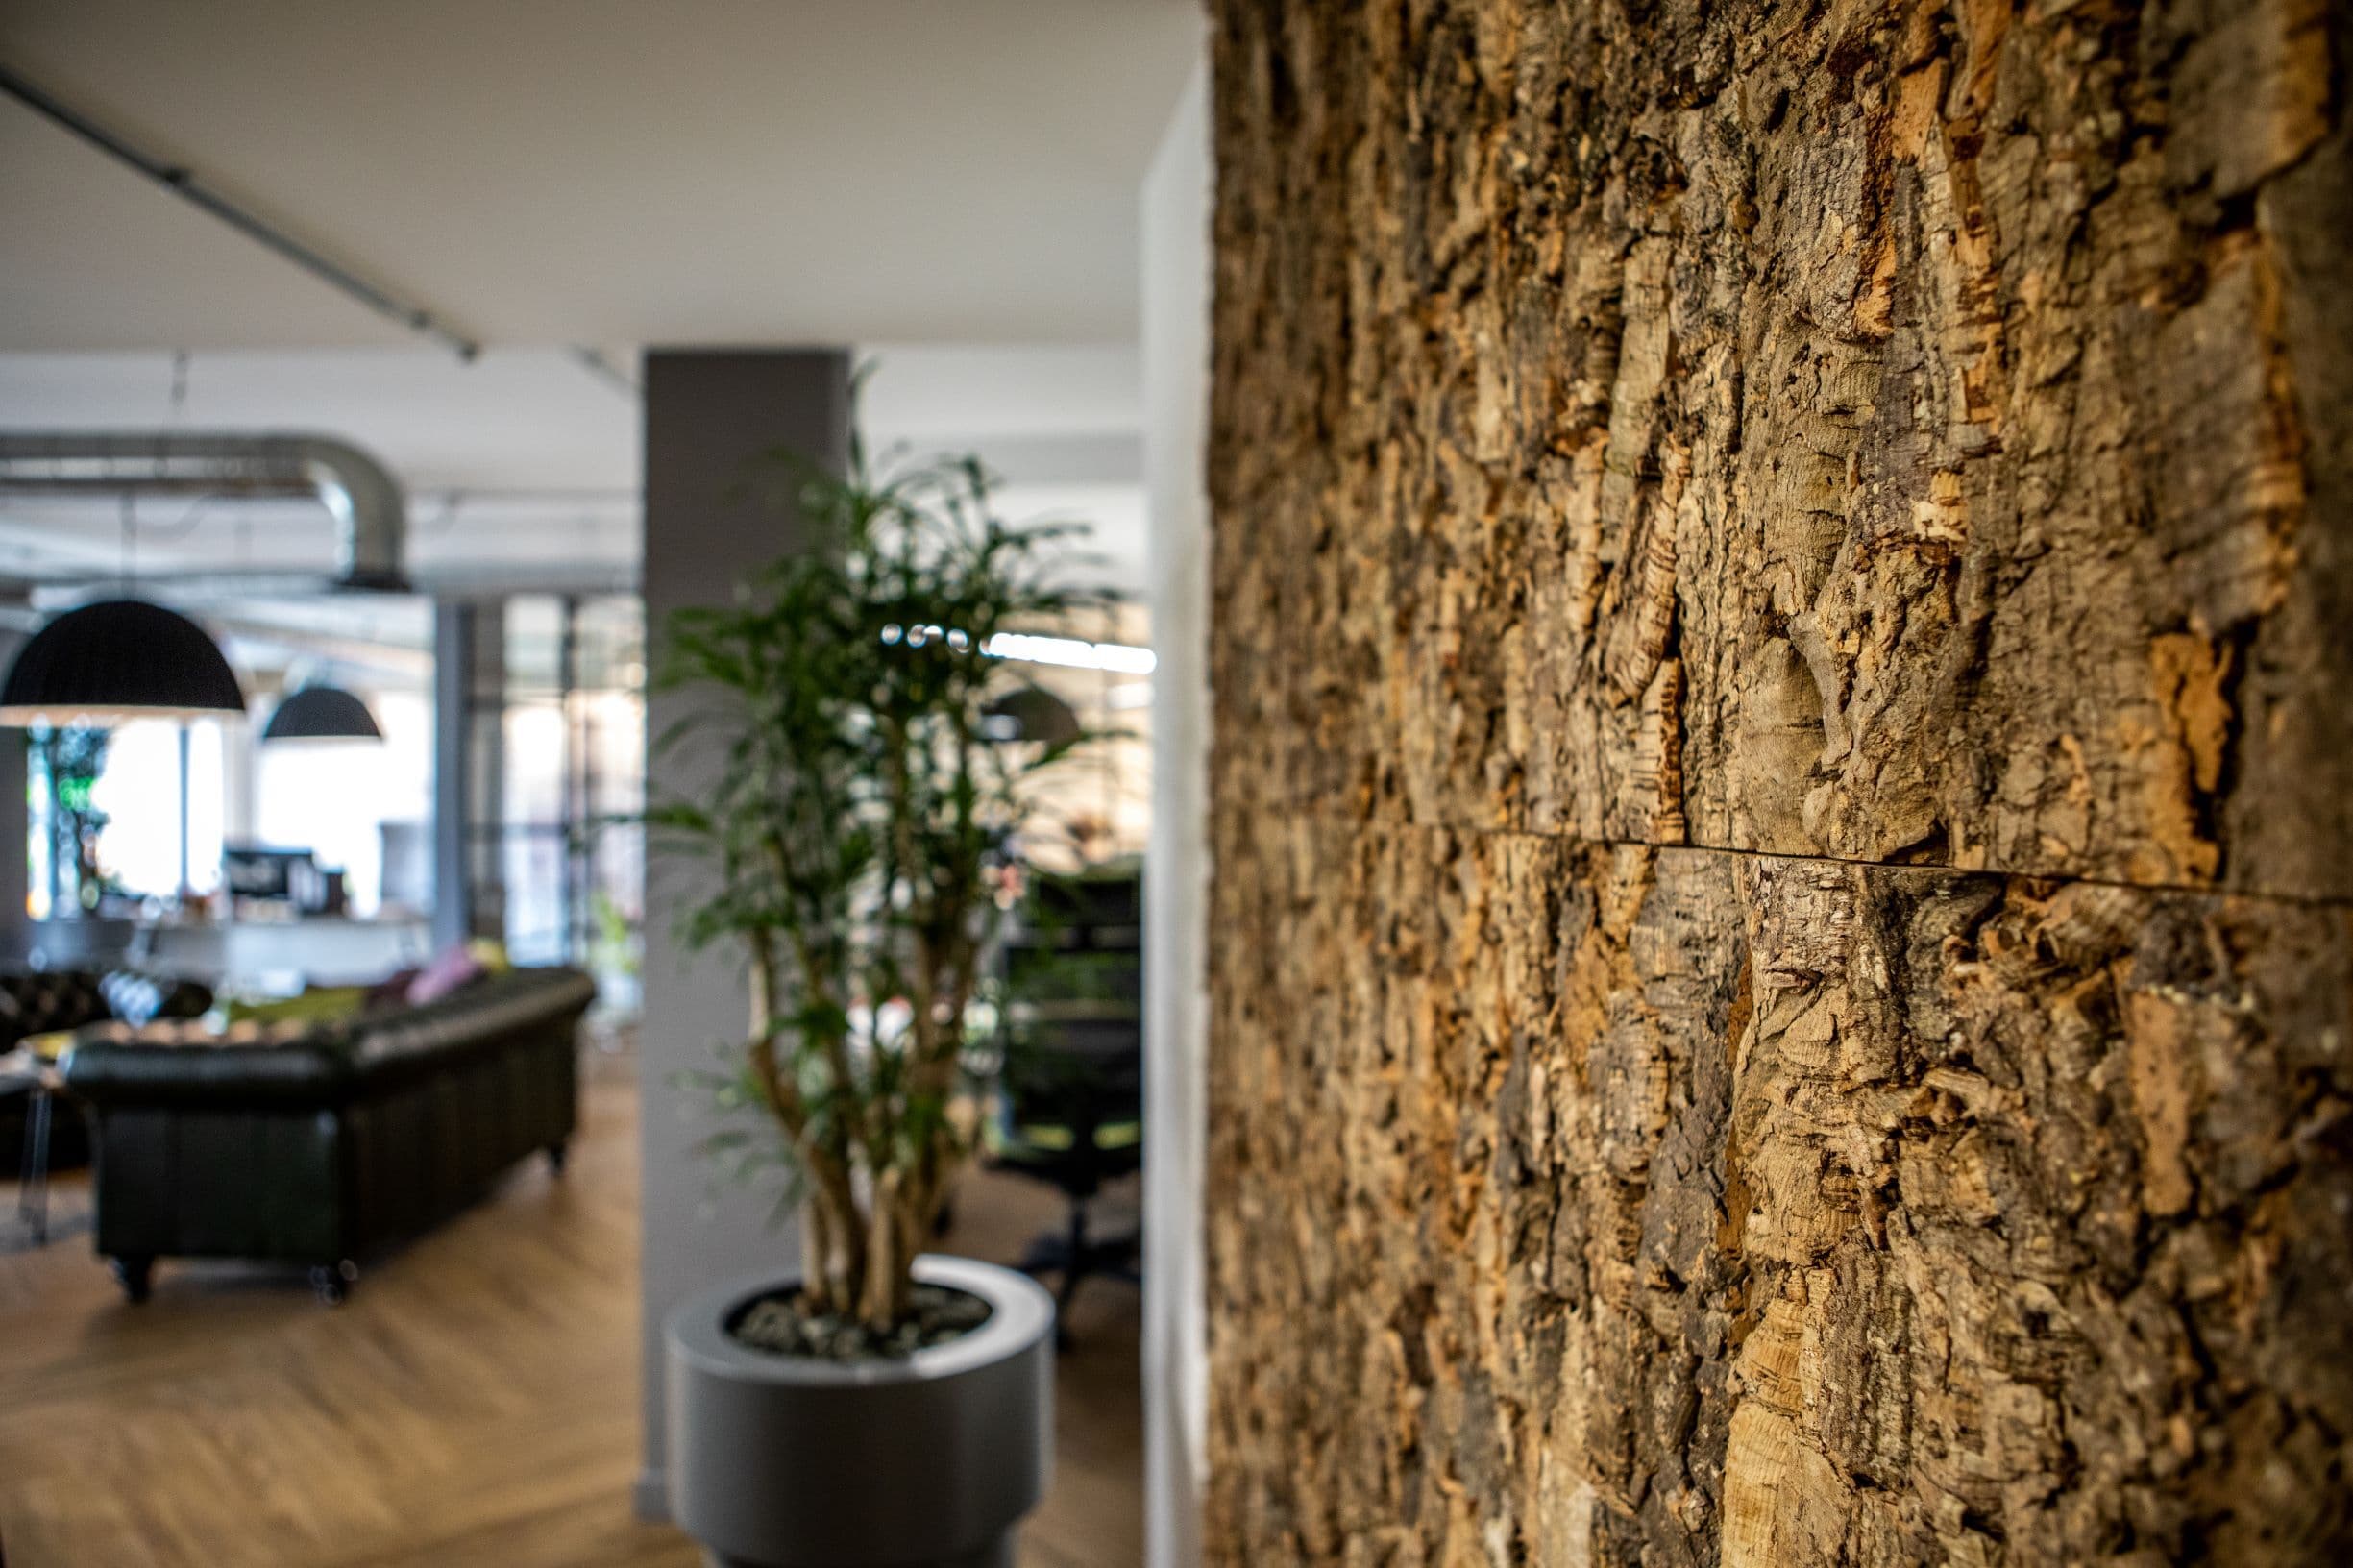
column 1176, row 348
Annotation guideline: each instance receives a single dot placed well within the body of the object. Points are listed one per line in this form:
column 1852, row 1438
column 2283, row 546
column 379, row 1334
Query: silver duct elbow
column 357, row 491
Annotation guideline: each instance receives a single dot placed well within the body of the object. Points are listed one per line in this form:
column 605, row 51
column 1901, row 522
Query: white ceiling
column 952, row 184
column 591, row 171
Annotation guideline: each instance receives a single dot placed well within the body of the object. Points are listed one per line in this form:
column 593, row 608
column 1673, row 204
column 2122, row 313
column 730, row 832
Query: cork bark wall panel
column 1780, row 955
column 1893, row 431
column 1629, row 1205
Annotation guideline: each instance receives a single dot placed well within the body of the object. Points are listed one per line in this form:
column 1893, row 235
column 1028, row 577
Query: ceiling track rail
column 182, row 183
column 594, row 361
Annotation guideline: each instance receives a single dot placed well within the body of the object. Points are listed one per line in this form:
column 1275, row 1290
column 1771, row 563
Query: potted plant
column 875, row 1404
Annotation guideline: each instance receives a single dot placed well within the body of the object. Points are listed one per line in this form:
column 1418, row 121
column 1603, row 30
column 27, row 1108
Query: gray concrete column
column 712, row 417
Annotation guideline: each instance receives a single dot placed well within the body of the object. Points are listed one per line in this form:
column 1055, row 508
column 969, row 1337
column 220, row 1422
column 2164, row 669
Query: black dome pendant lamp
column 117, row 660
column 1031, row 713
column 322, row 713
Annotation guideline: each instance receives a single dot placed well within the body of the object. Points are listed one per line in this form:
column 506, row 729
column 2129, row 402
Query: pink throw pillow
column 451, row 968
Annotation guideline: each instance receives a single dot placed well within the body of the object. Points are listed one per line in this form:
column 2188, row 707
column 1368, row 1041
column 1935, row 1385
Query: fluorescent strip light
column 1120, row 658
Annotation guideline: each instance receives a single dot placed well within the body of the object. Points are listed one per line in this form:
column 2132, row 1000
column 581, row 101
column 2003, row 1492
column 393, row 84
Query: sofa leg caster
column 331, row 1283
column 133, row 1273
column 557, row 1152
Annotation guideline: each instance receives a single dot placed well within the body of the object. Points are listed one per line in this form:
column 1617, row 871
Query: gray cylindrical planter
column 788, row 1461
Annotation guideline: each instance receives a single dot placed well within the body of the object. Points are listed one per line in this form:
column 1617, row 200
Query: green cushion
column 321, row 1004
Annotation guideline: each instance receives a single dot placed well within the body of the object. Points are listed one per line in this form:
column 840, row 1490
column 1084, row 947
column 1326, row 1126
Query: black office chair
column 1069, row 1104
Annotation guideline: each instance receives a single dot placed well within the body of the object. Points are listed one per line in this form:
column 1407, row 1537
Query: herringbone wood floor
column 474, row 1403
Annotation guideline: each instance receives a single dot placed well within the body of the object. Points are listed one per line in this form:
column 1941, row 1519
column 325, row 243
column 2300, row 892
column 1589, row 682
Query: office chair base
column 1077, row 1256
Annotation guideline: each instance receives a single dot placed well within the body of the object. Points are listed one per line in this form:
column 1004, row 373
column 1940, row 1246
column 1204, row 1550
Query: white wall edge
column 1176, row 378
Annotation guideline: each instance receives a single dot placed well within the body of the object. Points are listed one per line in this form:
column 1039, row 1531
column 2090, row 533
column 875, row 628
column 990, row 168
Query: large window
column 141, row 812
column 123, row 816
column 152, row 844
column 573, row 781
column 356, row 805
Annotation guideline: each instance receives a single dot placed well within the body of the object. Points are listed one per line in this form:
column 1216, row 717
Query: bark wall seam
column 2285, row 900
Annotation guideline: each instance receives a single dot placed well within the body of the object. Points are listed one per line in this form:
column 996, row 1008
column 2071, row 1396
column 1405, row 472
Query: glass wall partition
column 573, row 727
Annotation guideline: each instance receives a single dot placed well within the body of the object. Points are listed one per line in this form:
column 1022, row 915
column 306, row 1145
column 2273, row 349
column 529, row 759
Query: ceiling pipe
column 216, row 592
column 356, row 490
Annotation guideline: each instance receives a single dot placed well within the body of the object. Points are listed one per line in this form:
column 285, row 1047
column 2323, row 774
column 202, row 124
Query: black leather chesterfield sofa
column 321, row 1148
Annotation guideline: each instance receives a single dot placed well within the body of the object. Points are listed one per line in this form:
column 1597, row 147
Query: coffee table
column 38, row 1080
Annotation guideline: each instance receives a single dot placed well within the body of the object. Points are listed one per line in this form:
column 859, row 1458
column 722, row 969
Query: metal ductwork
column 356, row 490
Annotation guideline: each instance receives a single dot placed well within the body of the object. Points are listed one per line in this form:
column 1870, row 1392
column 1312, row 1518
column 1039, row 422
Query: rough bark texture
column 1780, row 960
